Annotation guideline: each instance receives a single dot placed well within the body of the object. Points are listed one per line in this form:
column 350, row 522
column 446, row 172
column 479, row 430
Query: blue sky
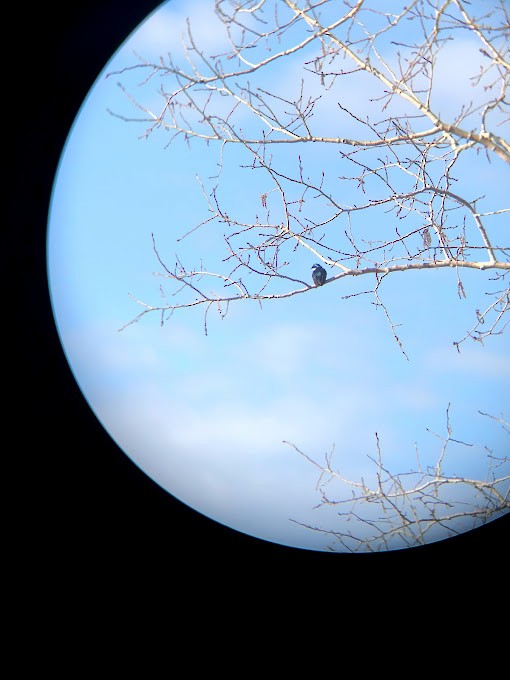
column 206, row 416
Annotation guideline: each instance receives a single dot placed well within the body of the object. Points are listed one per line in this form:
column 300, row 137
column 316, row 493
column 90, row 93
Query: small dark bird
column 318, row 275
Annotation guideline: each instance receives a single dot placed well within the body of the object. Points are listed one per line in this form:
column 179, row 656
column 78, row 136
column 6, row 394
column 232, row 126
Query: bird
column 318, row 275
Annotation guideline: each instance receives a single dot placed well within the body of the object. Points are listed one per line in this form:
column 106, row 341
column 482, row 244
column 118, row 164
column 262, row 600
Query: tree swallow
column 318, row 275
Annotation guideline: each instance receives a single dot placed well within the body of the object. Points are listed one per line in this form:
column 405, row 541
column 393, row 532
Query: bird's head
column 314, row 266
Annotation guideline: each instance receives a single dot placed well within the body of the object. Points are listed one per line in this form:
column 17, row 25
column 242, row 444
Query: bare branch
column 394, row 155
column 401, row 510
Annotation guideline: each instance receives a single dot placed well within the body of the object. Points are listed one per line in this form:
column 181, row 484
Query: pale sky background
column 206, row 416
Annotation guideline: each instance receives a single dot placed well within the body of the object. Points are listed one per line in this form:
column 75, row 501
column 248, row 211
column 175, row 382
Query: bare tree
column 387, row 194
column 408, row 212
column 402, row 510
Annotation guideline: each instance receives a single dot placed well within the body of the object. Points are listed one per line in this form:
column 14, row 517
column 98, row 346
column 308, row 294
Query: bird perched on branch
column 318, row 275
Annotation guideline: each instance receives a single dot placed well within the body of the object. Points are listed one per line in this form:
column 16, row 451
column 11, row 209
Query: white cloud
column 225, row 463
column 281, row 350
column 165, row 29
column 221, row 450
column 458, row 62
column 471, row 360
